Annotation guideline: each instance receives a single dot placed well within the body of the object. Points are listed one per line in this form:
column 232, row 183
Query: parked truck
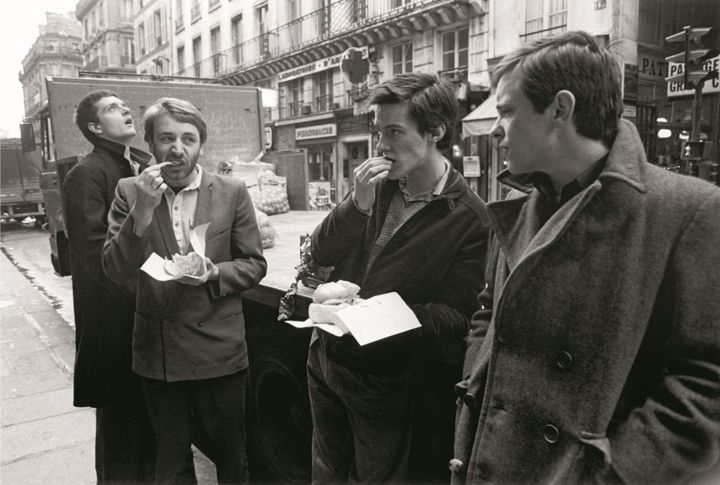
column 20, row 194
column 279, row 422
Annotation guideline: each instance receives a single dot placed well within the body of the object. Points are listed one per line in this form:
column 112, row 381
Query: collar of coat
column 117, row 151
column 514, row 219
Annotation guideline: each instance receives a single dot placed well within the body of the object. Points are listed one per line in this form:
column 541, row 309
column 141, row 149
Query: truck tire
column 279, row 421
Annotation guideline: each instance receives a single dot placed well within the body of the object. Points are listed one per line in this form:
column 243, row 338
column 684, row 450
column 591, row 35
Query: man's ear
column 437, row 132
column 563, row 106
column 95, row 128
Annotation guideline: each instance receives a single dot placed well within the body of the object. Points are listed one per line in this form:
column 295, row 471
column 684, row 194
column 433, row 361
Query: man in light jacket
column 596, row 356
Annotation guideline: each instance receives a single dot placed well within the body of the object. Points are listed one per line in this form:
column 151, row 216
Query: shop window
column 321, row 177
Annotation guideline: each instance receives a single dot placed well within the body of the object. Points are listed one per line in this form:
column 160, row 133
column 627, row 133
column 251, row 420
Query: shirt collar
column 428, row 194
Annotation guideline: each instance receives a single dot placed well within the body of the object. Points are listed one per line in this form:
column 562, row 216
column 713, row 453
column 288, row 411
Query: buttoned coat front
column 185, row 332
column 596, row 356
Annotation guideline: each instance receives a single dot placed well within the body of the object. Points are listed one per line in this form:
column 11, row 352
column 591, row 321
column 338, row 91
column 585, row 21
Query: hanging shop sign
column 316, row 131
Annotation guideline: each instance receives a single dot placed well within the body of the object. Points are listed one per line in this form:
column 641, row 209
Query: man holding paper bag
column 411, row 225
column 189, row 341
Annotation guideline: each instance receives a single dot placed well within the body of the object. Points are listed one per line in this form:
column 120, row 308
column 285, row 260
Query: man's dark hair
column 178, row 109
column 575, row 62
column 86, row 111
column 432, row 101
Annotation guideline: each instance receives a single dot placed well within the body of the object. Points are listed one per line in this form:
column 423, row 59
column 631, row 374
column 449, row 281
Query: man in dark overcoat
column 596, row 356
column 104, row 379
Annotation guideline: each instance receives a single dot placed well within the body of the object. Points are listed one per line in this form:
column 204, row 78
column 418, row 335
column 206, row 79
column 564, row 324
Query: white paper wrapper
column 155, row 264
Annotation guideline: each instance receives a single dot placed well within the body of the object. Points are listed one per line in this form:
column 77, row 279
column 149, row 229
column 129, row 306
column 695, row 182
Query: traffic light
column 700, row 44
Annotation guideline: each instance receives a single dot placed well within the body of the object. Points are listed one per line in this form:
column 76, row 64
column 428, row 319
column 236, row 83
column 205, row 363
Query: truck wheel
column 279, row 421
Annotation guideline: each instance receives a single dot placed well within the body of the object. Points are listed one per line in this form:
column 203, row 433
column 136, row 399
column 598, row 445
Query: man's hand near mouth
column 366, row 177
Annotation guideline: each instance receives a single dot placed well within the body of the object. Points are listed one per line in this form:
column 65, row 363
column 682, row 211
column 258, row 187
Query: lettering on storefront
column 652, row 66
column 317, row 131
column 318, row 66
column 678, row 88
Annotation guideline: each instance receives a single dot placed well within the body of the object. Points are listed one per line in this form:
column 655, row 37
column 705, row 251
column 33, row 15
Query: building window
column 197, row 46
column 402, row 58
column 543, row 18
column 236, row 39
column 195, row 11
column 359, row 10
column 649, row 29
column 291, row 98
column 323, row 17
column 323, row 90
column 399, row 3
column 181, row 58
column 293, row 13
column 454, row 49
column 261, row 13
column 215, row 49
column 141, row 38
column 157, row 24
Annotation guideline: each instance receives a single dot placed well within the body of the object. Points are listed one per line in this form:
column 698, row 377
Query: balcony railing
column 325, row 103
column 334, row 20
column 292, row 109
column 539, row 34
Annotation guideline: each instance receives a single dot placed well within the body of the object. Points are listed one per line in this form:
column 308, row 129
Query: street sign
column 676, row 84
column 694, row 72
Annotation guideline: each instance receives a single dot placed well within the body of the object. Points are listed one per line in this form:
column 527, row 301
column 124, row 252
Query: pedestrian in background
column 124, row 442
column 189, row 343
column 596, row 356
column 410, row 225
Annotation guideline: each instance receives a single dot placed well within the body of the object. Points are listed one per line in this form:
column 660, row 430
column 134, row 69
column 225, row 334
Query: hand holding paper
column 192, row 269
column 369, row 320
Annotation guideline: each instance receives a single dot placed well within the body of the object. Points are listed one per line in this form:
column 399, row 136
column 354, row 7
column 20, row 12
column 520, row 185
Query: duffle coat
column 596, row 356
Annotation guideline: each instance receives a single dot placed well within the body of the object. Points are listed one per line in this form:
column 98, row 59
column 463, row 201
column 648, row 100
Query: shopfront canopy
column 481, row 119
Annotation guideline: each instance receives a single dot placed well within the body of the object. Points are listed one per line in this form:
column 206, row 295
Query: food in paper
column 330, row 298
column 191, row 264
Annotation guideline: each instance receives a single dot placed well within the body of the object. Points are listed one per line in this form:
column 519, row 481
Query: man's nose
column 381, row 145
column 497, row 133
column 176, row 147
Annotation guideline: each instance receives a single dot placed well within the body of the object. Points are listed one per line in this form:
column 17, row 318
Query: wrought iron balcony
column 325, row 103
column 292, row 109
column 329, row 31
column 539, row 34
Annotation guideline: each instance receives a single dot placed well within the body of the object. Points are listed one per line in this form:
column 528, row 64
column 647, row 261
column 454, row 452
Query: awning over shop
column 481, row 119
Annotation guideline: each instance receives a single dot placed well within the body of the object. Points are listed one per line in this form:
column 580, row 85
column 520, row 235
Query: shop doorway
column 357, row 153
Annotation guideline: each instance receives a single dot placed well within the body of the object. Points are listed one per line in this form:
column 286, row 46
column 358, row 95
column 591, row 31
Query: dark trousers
column 124, row 445
column 362, row 423
column 212, row 408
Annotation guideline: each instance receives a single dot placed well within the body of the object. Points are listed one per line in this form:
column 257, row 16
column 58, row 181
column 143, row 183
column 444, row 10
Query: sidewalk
column 44, row 438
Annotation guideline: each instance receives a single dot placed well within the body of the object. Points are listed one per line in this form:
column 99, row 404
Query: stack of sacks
column 268, row 235
column 272, row 196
